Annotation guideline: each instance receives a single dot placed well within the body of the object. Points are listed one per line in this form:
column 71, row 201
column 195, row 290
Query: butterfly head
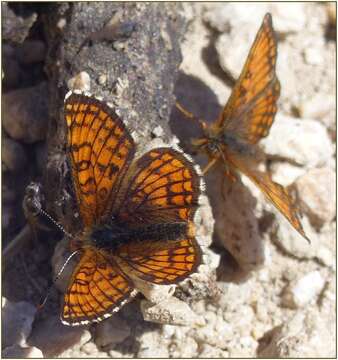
column 209, row 144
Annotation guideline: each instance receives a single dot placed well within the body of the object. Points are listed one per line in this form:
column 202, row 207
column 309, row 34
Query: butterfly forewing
column 250, row 110
column 165, row 187
column 100, row 149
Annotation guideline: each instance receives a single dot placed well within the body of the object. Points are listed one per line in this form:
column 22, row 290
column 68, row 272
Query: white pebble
column 301, row 291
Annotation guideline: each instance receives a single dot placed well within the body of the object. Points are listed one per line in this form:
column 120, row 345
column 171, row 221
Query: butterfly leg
column 210, row 164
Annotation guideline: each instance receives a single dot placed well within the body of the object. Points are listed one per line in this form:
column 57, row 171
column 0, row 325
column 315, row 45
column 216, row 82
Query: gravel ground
column 262, row 291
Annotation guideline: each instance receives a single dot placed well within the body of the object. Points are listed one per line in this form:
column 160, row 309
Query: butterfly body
column 111, row 237
column 247, row 117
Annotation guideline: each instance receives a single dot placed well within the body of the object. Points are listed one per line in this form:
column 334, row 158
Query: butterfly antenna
column 190, row 115
column 43, row 212
column 42, row 304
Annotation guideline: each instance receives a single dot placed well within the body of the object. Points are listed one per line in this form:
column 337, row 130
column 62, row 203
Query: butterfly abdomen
column 110, row 237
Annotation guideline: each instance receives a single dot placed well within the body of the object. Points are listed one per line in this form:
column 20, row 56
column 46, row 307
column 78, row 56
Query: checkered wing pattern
column 101, row 150
column 165, row 188
column 252, row 105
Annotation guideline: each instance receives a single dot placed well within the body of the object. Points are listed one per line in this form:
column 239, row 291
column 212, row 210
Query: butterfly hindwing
column 97, row 289
column 163, row 263
column 275, row 192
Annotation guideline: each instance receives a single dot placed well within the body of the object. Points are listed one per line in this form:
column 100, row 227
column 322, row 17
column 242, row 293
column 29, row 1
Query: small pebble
column 302, row 291
column 171, row 311
column 317, row 192
column 25, row 113
column 79, row 82
column 13, row 155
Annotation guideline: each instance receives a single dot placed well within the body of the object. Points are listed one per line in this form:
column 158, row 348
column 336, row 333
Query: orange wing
column 279, row 196
column 96, row 290
column 161, row 263
column 101, row 150
column 251, row 108
column 164, row 189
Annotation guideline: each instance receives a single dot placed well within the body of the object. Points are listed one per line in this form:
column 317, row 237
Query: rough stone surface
column 17, row 320
column 296, row 140
column 317, row 192
column 15, row 28
column 24, row 113
column 63, row 337
column 15, row 352
column 13, row 155
column 285, row 173
column 299, row 337
column 152, row 346
column 236, row 227
column 79, row 82
column 301, row 291
column 171, row 311
column 112, row 331
column 133, row 63
column 32, row 51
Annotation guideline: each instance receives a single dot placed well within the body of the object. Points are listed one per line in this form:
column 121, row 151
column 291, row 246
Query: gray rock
column 171, row 311
column 304, row 335
column 211, row 352
column 321, row 107
column 81, row 81
column 313, row 56
column 31, row 51
column 15, row 28
column 185, row 347
column 284, row 173
column 63, row 337
column 41, row 155
column 291, row 241
column 317, row 192
column 297, row 140
column 16, row 351
column 154, row 293
column 236, row 226
column 238, row 17
column 25, row 113
column 13, row 155
column 111, row 331
column 17, row 320
column 11, row 72
column 326, row 250
column 152, row 345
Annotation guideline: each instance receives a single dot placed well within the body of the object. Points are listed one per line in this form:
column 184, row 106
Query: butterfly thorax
column 111, row 236
column 216, row 140
column 235, row 144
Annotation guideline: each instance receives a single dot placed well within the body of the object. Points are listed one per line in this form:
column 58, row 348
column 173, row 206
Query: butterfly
column 246, row 119
column 137, row 212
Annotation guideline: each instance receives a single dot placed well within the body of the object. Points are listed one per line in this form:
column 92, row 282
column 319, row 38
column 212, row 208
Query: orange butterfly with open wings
column 137, row 212
column 247, row 118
